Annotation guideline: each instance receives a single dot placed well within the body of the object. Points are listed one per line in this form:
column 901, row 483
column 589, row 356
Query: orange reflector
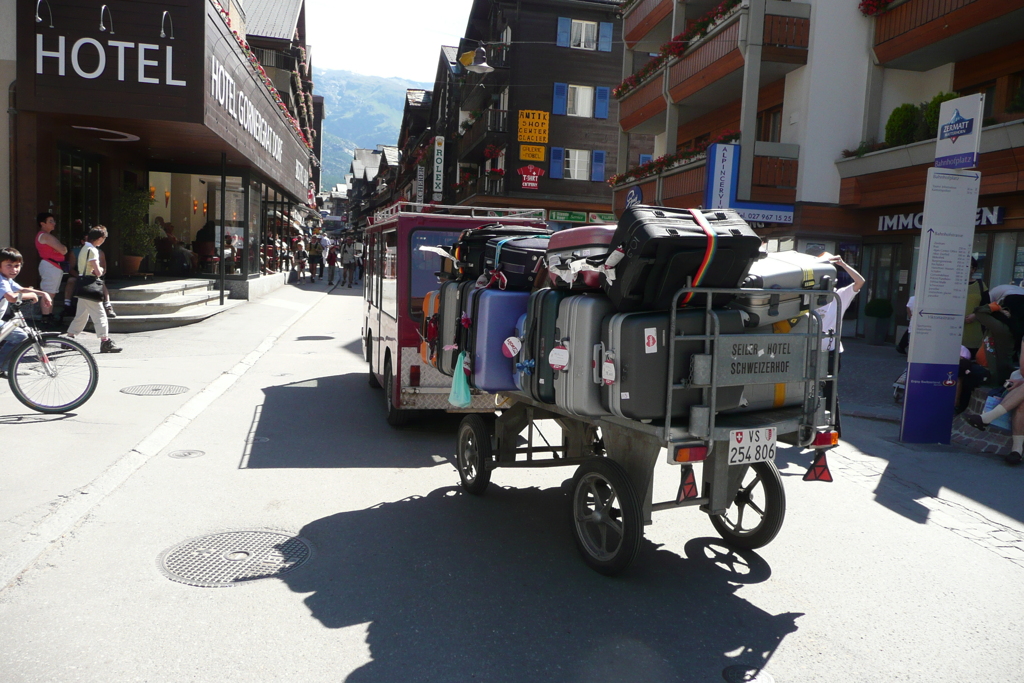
column 414, row 375
column 826, row 439
column 691, row 454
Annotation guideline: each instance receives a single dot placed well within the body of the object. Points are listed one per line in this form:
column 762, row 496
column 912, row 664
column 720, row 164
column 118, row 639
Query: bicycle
column 47, row 372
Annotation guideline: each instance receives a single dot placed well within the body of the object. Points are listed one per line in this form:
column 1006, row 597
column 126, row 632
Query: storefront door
column 881, row 272
column 78, row 192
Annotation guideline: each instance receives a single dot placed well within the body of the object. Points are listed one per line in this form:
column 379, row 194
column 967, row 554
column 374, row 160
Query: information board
column 531, row 152
column 533, row 126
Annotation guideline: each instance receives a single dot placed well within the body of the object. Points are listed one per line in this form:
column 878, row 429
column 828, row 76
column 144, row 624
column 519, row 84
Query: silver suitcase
column 578, row 386
column 448, row 327
column 783, row 270
column 769, row 396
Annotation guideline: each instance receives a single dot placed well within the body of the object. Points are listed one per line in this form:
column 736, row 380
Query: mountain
column 359, row 111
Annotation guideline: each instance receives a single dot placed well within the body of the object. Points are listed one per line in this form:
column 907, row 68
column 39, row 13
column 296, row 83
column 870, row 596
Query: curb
column 867, row 413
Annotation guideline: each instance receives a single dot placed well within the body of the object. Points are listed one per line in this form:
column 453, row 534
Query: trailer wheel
column 607, row 517
column 473, row 454
column 396, row 416
column 758, row 510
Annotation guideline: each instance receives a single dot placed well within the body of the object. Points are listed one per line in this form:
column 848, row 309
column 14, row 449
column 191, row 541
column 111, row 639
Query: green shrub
column 901, row 128
column 931, row 113
column 131, row 221
column 878, row 308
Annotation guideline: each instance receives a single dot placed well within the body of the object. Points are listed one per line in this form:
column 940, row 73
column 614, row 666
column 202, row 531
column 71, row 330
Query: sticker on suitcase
column 651, row 340
column 558, row 359
column 511, row 347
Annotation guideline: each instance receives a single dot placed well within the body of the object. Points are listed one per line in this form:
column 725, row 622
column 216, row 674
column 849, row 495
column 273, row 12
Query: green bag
column 459, row 395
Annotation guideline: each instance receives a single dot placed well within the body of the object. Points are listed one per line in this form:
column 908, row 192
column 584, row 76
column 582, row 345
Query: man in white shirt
column 830, row 314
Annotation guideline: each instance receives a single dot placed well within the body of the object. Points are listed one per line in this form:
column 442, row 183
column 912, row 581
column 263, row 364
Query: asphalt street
column 908, row 567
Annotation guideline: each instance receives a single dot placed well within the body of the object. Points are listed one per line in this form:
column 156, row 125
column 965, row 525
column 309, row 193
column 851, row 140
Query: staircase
column 159, row 305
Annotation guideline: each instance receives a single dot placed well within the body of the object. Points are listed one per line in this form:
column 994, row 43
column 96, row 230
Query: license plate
column 748, row 446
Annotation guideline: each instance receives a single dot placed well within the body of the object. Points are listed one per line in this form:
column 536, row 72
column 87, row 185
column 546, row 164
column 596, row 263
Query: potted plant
column 131, row 221
column 877, row 313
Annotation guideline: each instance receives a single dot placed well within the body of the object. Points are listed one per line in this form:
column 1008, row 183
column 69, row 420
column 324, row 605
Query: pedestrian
column 831, row 313
column 11, row 292
column 316, row 258
column 348, row 262
column 51, row 263
column 332, row 263
column 301, row 257
column 1012, row 403
column 89, row 264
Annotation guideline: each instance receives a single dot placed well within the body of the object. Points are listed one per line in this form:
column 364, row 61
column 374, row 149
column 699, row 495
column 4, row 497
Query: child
column 332, row 262
column 11, row 291
column 301, row 256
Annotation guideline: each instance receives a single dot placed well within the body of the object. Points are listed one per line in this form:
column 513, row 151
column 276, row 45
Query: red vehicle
column 398, row 275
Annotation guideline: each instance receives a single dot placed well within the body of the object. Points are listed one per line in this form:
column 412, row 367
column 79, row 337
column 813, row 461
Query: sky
column 386, row 38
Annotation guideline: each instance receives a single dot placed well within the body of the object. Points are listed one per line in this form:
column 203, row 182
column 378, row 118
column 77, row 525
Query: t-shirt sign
column 531, row 176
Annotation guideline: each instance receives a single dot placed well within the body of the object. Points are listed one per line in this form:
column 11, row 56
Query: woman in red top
column 51, row 256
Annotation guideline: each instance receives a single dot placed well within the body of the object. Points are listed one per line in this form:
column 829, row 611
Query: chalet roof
column 272, row 18
column 416, row 97
column 391, row 155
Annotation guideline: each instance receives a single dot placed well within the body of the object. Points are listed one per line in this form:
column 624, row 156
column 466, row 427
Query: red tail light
column 826, row 439
column 414, row 375
column 691, row 454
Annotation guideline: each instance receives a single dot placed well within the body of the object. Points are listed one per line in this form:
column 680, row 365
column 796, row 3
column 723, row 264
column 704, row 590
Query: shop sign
column 568, row 216
column 985, row 215
column 531, row 176
column 720, row 191
column 533, row 126
column 634, row 196
column 243, row 110
column 438, row 165
column 602, row 218
column 95, row 59
column 421, row 177
column 531, row 152
column 959, row 137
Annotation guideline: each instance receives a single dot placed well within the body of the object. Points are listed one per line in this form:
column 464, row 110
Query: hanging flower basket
column 496, row 173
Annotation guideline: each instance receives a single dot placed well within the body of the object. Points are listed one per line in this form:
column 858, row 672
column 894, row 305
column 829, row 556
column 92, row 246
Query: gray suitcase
column 783, row 270
column 578, row 387
column 634, row 363
column 448, row 328
column 769, row 396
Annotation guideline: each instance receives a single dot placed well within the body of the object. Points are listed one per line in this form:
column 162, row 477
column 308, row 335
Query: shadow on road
column 33, row 418
column 456, row 588
column 338, row 422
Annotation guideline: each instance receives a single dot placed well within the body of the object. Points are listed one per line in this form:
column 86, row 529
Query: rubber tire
column 476, row 428
column 396, row 417
column 774, row 512
column 371, row 377
column 30, row 345
column 630, row 515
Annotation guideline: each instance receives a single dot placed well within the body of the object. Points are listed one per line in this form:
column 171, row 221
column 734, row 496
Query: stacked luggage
column 580, row 318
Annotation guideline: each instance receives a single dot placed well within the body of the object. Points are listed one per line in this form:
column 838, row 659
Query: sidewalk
column 865, row 380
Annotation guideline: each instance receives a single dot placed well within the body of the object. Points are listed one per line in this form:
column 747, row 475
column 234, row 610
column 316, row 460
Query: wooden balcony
column 489, row 187
column 774, row 180
column 707, row 64
column 919, row 35
column 641, row 20
column 684, row 188
column 643, row 109
column 491, row 128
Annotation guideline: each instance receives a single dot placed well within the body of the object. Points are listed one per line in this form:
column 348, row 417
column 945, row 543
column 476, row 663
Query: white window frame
column 577, row 106
column 578, row 35
column 577, row 164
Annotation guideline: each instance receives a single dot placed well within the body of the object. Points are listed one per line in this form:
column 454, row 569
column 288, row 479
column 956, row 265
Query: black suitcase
column 635, row 363
column 518, row 260
column 471, row 248
column 538, row 340
column 450, row 329
column 657, row 250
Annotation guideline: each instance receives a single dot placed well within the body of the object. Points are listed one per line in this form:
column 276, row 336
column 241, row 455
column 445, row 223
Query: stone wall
column 992, row 440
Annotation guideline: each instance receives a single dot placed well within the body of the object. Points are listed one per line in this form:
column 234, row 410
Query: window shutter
column 557, row 163
column 601, row 103
column 564, row 28
column 558, row 103
column 604, row 37
column 597, row 166
column 646, row 159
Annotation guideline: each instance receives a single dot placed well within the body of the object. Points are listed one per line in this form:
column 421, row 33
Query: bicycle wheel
column 53, row 375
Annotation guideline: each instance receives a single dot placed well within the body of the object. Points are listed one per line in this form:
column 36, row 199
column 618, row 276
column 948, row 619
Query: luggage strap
column 709, row 251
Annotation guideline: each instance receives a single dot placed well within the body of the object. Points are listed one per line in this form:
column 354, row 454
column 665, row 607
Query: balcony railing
column 484, row 185
column 493, row 122
column 642, row 104
column 910, row 15
column 644, row 16
column 774, row 180
column 787, row 31
column 694, row 70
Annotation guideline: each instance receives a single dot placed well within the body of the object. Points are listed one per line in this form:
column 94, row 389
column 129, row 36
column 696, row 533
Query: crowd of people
column 324, row 253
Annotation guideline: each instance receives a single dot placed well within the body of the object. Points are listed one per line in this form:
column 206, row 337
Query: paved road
column 907, row 568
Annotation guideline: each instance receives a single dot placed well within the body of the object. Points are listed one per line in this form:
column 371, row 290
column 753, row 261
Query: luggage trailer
column 612, row 490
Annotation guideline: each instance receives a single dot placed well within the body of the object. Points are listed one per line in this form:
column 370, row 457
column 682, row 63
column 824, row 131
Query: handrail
column 458, row 211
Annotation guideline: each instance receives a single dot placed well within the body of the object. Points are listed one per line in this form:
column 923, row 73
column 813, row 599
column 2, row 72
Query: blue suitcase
column 493, row 318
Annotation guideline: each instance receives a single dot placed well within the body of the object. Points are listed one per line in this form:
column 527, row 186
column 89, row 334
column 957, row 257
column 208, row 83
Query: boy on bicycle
column 10, row 267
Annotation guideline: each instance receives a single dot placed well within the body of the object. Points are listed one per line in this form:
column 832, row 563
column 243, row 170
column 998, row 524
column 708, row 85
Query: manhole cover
column 183, row 455
column 233, row 558
column 154, row 390
column 745, row 673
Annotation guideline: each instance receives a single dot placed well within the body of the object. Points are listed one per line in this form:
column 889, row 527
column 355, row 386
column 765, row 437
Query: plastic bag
column 1003, row 421
column 459, row 395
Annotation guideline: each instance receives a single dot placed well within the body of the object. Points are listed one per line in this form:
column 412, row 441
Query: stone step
column 164, row 304
column 149, row 291
column 161, row 321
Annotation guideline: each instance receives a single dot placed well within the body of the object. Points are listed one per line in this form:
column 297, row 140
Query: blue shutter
column 604, row 37
column 558, row 102
column 557, row 163
column 597, row 165
column 601, row 103
column 646, row 159
column 564, row 28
